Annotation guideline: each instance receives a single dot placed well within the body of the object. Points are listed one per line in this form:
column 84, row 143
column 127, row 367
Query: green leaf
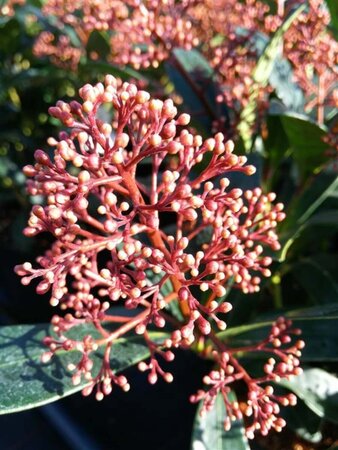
column 319, row 331
column 209, row 433
column 304, row 205
column 306, row 140
column 328, row 217
column 333, row 8
column 193, row 79
column 98, row 43
column 314, row 312
column 276, row 142
column 287, row 90
column 101, row 67
column 316, row 279
column 25, row 382
column 312, row 198
column 304, row 422
column 261, row 75
column 319, row 391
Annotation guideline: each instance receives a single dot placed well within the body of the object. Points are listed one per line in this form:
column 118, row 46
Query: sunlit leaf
column 25, row 382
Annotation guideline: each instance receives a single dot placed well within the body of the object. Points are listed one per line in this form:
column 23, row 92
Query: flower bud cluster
column 144, row 33
column 58, row 48
column 313, row 53
column 152, row 30
column 8, row 8
column 111, row 244
column 261, row 408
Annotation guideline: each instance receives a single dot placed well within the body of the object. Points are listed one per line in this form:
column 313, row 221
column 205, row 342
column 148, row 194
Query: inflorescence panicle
column 111, row 243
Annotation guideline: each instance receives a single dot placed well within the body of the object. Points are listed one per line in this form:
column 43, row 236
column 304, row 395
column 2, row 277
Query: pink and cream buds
column 112, row 245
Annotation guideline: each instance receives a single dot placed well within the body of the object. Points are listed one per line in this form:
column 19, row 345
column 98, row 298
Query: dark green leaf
column 315, row 312
column 103, row 68
column 25, row 382
column 209, row 432
column 316, row 280
column 328, row 217
column 319, row 331
column 315, row 193
column 193, row 79
column 98, row 43
column 306, row 140
column 303, row 421
column 276, row 142
column 319, row 391
column 333, row 8
column 304, row 205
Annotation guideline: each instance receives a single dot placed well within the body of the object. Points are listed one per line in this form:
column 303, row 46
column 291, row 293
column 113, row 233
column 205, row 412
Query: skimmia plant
column 159, row 212
column 110, row 242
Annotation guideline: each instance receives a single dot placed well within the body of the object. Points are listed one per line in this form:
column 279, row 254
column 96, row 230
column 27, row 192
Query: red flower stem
column 125, row 328
column 321, row 98
column 154, row 235
column 116, row 319
column 222, row 347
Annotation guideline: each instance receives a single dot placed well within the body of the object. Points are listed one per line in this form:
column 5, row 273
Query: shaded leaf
column 276, row 142
column 304, row 422
column 319, row 391
column 304, row 205
column 101, row 67
column 98, row 43
column 333, row 8
column 319, row 331
column 306, row 140
column 209, row 432
column 25, row 382
column 316, row 192
column 193, row 79
column 329, row 217
column 316, row 280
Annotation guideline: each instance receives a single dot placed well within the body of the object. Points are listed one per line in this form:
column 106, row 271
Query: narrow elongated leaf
column 304, row 206
column 319, row 333
column 319, row 391
column 315, row 193
column 329, row 217
column 95, row 67
column 276, row 142
column 209, row 432
column 25, row 382
column 261, row 75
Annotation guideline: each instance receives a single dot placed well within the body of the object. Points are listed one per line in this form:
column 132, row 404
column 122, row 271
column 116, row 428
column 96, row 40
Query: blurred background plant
column 262, row 72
